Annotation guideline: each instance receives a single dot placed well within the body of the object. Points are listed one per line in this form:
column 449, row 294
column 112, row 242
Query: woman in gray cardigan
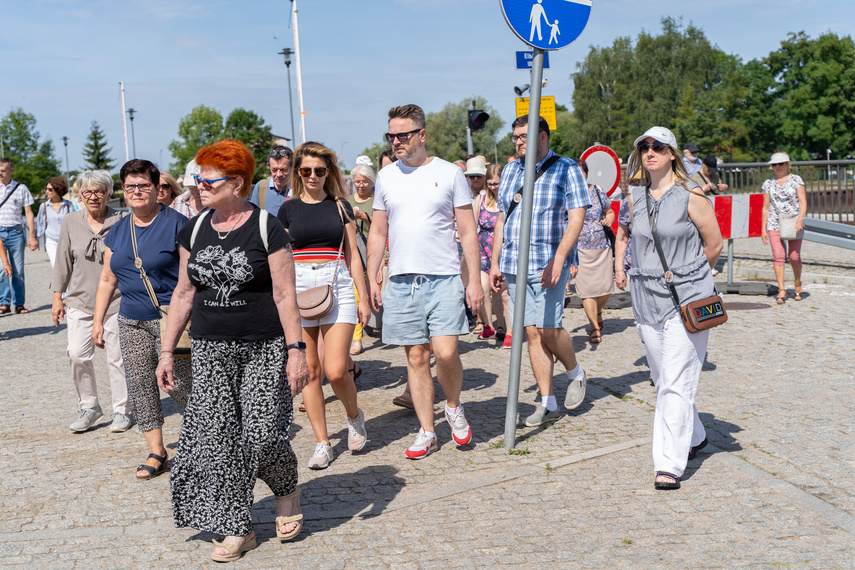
column 691, row 242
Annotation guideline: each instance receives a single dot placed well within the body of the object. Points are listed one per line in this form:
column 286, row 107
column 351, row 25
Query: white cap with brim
column 362, row 159
column 660, row 134
column 476, row 166
column 779, row 157
column 192, row 168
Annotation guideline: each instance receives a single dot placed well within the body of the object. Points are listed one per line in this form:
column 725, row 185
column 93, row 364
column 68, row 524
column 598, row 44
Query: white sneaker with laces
column 356, row 436
column 121, row 422
column 423, row 446
column 86, row 419
column 461, row 433
column 322, row 456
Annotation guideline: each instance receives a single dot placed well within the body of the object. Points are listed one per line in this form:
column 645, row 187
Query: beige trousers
column 81, row 352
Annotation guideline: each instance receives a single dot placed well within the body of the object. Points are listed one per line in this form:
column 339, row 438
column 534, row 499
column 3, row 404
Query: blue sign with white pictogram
column 547, row 24
column 524, row 59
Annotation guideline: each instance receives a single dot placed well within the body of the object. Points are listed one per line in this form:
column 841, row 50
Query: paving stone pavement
column 775, row 487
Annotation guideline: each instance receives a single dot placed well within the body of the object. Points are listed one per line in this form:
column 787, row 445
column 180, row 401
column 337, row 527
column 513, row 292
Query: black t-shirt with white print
column 234, row 291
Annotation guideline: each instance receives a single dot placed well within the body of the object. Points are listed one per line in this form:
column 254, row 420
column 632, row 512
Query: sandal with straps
column 5, row 309
column 235, row 551
column 595, row 337
column 152, row 471
column 666, row 485
column 296, row 516
column 356, row 371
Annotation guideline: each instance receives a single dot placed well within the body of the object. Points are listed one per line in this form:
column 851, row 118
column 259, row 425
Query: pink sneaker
column 507, row 343
column 488, row 332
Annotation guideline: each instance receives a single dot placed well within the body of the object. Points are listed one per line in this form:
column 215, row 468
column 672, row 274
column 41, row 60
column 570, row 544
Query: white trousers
column 50, row 248
column 675, row 357
column 81, row 352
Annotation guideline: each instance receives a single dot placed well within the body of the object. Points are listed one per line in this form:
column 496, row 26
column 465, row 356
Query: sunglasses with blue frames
column 207, row 183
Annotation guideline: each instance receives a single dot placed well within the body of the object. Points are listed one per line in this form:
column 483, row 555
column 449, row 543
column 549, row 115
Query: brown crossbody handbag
column 698, row 315
column 317, row 302
column 183, row 346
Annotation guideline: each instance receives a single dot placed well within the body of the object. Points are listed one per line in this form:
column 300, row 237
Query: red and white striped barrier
column 738, row 215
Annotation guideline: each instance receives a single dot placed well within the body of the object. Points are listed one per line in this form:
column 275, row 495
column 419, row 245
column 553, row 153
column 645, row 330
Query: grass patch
column 525, row 451
column 626, row 540
column 549, row 467
column 497, row 444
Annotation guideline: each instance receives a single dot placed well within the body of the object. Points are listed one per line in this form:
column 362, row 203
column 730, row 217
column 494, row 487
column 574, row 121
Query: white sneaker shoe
column 461, row 433
column 322, row 456
column 356, row 436
column 86, row 419
column 423, row 446
column 121, row 422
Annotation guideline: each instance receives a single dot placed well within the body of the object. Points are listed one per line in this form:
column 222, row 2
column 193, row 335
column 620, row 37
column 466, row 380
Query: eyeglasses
column 207, row 184
column 475, row 176
column 402, row 137
column 90, row 193
column 778, row 164
column 519, row 138
column 657, row 147
column 134, row 188
column 320, row 171
column 165, row 187
column 362, row 183
column 280, row 153
column 48, row 189
column 492, row 184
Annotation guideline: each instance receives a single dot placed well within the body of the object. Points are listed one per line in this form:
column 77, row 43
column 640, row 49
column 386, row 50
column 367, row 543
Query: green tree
column 34, row 159
column 373, row 152
column 201, row 127
column 95, row 152
column 249, row 128
column 446, row 130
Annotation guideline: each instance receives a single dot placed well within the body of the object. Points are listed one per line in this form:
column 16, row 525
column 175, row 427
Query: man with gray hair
column 270, row 193
column 416, row 203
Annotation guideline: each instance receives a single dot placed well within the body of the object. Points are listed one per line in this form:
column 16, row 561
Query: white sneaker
column 356, row 436
column 423, row 446
column 322, row 456
column 461, row 433
column 121, row 422
column 86, row 419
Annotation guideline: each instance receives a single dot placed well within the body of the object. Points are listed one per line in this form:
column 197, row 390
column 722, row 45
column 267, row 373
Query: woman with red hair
column 237, row 276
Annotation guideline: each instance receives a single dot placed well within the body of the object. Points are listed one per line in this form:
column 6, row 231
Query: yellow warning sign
column 547, row 110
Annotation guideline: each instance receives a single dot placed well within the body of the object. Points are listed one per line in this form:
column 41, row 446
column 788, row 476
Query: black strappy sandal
column 356, row 371
column 666, row 485
column 153, row 471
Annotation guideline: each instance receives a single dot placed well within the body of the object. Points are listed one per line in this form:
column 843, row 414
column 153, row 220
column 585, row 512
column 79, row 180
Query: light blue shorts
column 544, row 308
column 419, row 307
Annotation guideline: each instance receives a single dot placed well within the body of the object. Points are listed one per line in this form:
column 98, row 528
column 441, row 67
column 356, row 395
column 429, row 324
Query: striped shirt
column 324, row 253
column 10, row 213
column 558, row 190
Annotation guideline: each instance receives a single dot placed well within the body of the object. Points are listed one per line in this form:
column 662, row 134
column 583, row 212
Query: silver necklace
column 221, row 236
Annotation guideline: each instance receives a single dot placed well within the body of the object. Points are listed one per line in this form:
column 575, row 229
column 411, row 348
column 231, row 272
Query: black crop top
column 315, row 228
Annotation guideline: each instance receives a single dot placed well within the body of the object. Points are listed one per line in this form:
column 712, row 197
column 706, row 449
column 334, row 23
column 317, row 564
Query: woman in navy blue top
column 155, row 227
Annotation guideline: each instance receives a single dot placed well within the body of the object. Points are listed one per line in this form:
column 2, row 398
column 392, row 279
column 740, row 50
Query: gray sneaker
column 121, row 422
column 576, row 392
column 540, row 416
column 86, row 419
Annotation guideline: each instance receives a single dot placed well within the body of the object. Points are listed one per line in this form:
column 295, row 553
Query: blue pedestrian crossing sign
column 547, row 24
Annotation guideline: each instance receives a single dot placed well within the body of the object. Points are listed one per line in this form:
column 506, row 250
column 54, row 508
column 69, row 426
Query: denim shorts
column 544, row 308
column 316, row 274
column 419, row 307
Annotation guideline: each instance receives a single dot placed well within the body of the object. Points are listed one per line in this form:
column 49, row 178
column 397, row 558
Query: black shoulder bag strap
column 669, row 277
column 12, row 191
column 543, row 168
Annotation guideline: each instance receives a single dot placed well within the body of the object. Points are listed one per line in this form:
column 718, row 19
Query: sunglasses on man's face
column 279, row 153
column 657, row 147
column 320, row 171
column 402, row 137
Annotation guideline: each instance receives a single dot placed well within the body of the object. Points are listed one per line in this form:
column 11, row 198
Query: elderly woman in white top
column 79, row 262
column 784, row 196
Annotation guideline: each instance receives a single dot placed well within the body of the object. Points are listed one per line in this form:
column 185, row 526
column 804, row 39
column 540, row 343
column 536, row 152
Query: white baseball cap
column 662, row 135
column 779, row 157
column 476, row 166
column 192, row 168
column 362, row 159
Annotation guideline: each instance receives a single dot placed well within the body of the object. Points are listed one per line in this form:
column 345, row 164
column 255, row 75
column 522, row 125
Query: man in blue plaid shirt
column 560, row 201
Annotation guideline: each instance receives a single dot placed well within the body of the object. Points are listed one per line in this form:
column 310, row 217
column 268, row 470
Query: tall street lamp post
column 133, row 138
column 65, row 142
column 287, row 53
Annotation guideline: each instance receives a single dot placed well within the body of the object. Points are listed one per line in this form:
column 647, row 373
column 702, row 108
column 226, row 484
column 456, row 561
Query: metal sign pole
column 525, row 239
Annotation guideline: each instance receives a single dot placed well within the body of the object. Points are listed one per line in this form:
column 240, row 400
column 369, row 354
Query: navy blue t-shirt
column 158, row 251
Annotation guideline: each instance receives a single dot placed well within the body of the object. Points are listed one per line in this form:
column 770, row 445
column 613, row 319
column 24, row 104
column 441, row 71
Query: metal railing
column 829, row 185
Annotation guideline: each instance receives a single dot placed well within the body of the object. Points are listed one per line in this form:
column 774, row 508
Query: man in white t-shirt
column 416, row 202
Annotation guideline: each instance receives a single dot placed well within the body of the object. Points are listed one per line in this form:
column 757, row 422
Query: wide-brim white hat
column 779, row 157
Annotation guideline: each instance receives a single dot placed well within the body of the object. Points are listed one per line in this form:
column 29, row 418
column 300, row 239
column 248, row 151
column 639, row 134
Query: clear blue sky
column 63, row 59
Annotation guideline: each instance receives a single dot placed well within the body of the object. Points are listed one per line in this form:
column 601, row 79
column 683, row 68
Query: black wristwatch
column 297, row 345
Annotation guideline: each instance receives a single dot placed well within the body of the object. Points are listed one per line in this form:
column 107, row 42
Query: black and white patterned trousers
column 140, row 343
column 235, row 430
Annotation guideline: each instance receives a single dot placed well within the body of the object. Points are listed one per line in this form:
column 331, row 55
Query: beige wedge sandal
column 295, row 517
column 235, row 551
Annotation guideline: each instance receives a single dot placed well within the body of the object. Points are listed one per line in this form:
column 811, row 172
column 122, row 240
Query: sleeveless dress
column 486, row 225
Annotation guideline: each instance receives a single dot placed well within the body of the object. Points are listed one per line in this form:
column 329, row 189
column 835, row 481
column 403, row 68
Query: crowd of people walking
column 234, row 298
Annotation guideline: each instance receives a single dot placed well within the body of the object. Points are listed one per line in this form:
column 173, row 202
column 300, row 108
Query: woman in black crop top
column 321, row 224
column 237, row 274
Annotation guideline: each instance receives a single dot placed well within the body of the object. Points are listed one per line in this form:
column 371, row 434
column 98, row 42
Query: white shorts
column 317, row 274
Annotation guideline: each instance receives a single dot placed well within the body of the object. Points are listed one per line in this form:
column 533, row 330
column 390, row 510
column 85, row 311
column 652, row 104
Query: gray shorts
column 419, row 307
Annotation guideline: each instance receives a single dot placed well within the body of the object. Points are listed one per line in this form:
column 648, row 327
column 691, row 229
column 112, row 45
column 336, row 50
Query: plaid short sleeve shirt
column 558, row 190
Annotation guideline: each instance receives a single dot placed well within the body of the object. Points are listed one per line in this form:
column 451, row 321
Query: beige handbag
column 787, row 226
column 183, row 346
column 317, row 302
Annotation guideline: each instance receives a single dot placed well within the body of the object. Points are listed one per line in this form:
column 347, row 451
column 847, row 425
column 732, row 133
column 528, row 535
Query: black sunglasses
column 320, row 171
column 657, row 146
column 280, row 153
column 402, row 137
